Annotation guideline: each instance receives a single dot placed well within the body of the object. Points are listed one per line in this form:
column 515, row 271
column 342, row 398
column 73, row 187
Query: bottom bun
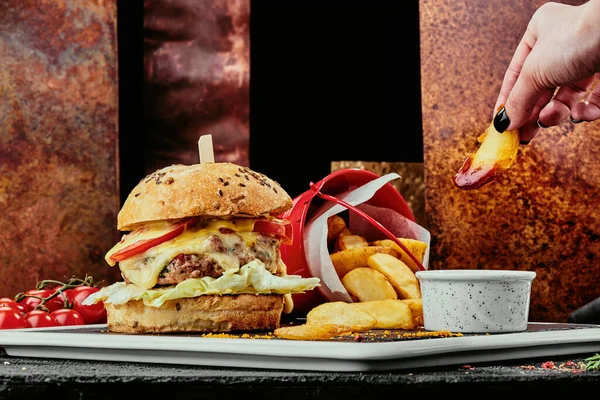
column 227, row 313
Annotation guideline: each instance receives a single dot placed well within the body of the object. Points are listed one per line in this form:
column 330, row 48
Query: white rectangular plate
column 389, row 352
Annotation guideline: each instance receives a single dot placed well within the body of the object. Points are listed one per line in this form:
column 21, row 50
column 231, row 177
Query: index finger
column 514, row 69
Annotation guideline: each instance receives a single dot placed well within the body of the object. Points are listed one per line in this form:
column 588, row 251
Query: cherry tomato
column 103, row 319
column 278, row 227
column 39, row 292
column 29, row 303
column 91, row 314
column 11, row 318
column 7, row 301
column 142, row 245
column 54, row 303
column 40, row 319
column 67, row 316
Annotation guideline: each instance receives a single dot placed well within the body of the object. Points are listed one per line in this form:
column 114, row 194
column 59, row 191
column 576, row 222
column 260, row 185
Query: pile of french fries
column 380, row 278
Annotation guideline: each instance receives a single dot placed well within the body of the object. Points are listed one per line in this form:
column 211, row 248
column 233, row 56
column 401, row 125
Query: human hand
column 554, row 70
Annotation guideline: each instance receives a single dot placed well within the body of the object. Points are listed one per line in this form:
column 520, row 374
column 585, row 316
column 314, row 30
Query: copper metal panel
column 58, row 140
column 543, row 215
column 196, row 80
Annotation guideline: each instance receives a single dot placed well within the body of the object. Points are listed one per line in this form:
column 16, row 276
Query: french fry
column 335, row 226
column 418, row 321
column 416, row 247
column 345, row 242
column 496, row 153
column 416, row 308
column 345, row 261
column 311, row 331
column 341, row 313
column 416, row 305
column 367, row 284
column 401, row 277
column 390, row 314
column 345, row 232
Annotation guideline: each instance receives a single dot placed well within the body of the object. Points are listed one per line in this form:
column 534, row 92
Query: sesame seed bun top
column 207, row 190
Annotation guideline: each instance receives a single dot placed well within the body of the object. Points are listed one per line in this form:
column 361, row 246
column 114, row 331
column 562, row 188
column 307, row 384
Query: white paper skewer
column 205, row 149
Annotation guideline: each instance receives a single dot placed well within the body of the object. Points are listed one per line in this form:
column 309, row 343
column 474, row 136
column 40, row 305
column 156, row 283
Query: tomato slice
column 142, row 245
column 280, row 228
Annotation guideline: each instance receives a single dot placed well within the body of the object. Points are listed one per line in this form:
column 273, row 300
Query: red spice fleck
column 527, row 367
column 468, row 367
column 548, row 365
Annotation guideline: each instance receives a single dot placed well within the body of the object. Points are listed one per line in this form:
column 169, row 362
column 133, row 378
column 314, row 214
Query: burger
column 201, row 253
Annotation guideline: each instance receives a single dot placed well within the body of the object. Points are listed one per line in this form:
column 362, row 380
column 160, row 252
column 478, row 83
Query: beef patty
column 265, row 248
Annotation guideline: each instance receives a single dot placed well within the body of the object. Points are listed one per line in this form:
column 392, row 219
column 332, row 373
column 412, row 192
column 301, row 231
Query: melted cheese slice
column 143, row 269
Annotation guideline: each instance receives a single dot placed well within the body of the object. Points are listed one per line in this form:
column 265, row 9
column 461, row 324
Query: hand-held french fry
column 496, row 154
column 341, row 313
column 399, row 274
column 366, row 284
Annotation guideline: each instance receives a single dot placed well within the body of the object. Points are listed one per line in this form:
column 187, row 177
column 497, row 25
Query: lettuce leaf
column 252, row 278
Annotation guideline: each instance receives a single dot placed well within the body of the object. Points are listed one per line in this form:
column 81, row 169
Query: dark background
column 330, row 80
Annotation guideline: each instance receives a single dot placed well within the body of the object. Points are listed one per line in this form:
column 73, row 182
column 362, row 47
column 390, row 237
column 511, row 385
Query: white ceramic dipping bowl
column 475, row 301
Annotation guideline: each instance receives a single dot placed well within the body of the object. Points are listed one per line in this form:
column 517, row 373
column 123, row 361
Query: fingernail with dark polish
column 524, row 142
column 541, row 125
column 575, row 121
column 501, row 121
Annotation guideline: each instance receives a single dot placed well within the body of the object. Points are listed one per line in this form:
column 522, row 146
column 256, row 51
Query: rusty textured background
column 196, row 80
column 543, row 214
column 58, row 140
